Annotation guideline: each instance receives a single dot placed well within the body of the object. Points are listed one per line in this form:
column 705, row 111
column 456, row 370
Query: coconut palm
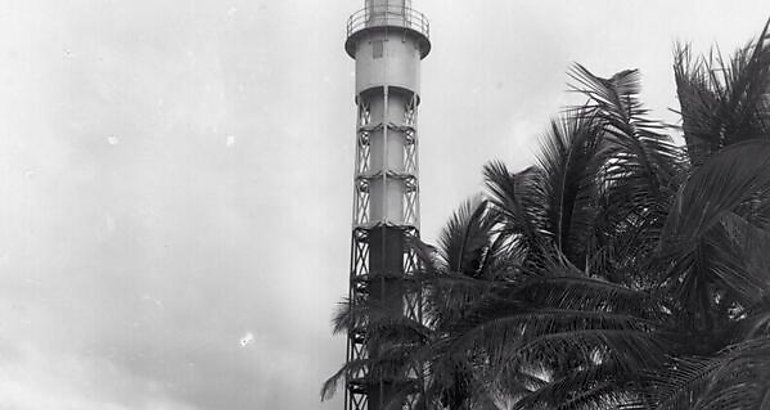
column 631, row 263
column 620, row 271
column 570, row 317
column 706, row 237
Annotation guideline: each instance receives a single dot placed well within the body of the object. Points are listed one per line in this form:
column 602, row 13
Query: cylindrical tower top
column 394, row 4
column 380, row 15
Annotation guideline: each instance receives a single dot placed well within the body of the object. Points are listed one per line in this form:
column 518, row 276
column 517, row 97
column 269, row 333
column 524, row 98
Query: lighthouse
column 388, row 40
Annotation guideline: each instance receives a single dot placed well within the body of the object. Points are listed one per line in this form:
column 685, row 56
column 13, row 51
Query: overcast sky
column 175, row 176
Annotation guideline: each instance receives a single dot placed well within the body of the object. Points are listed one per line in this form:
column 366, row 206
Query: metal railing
column 379, row 16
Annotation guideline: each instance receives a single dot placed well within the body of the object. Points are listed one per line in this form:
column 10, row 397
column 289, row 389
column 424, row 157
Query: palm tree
column 620, row 271
column 697, row 246
column 717, row 239
column 573, row 313
column 629, row 258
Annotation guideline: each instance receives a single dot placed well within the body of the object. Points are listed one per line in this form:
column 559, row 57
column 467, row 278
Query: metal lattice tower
column 388, row 39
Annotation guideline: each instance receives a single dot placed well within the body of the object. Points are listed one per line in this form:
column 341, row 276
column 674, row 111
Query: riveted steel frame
column 356, row 392
column 364, row 175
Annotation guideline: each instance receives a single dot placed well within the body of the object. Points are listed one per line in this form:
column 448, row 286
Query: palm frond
column 685, row 379
column 381, row 322
column 723, row 102
column 450, row 297
column 604, row 385
column 636, row 177
column 519, row 202
column 737, row 378
column 392, row 365
column 513, row 332
column 697, row 240
column 580, row 293
column 465, row 241
column 567, row 156
column 754, row 321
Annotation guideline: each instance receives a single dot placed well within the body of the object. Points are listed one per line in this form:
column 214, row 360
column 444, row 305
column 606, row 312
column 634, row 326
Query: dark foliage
column 619, row 272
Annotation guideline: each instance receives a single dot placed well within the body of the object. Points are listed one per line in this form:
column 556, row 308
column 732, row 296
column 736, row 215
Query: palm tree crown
column 621, row 271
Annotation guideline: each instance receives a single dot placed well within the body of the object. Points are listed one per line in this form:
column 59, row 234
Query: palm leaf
column 737, row 378
column 465, row 240
column 568, row 182
column 701, row 248
column 723, row 103
column 636, row 178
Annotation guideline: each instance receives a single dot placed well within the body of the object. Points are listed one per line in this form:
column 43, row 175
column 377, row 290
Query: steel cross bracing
column 363, row 175
column 357, row 392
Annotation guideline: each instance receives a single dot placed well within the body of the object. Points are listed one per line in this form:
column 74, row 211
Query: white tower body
column 388, row 40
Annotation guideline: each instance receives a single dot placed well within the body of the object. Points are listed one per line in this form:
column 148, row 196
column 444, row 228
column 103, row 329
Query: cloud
column 37, row 380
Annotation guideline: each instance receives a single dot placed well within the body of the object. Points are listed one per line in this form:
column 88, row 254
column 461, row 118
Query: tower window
column 377, row 49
